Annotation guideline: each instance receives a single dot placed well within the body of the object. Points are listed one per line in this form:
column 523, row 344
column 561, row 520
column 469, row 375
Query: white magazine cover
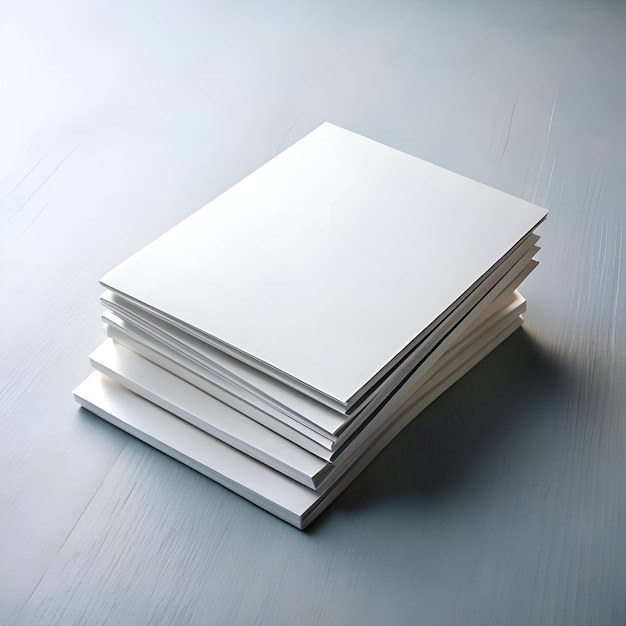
column 326, row 265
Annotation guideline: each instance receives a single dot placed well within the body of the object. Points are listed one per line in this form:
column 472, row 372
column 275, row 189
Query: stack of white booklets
column 278, row 338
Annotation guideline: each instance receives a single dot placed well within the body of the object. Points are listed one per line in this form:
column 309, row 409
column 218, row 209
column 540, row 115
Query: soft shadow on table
column 512, row 387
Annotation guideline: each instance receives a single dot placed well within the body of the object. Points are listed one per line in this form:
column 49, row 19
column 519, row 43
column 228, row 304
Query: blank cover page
column 329, row 260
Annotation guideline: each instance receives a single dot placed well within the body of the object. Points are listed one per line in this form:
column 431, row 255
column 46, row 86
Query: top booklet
column 328, row 264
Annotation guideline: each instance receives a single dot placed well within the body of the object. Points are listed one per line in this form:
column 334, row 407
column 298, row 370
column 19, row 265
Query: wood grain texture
column 505, row 502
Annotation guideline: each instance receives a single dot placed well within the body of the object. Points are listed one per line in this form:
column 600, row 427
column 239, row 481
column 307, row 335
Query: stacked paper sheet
column 281, row 336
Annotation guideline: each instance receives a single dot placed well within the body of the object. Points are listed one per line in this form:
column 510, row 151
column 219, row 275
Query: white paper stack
column 281, row 336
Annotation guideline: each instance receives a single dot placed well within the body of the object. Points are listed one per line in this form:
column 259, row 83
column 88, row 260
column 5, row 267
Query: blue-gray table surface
column 505, row 501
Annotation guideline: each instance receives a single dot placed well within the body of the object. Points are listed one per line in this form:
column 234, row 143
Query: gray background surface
column 503, row 503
